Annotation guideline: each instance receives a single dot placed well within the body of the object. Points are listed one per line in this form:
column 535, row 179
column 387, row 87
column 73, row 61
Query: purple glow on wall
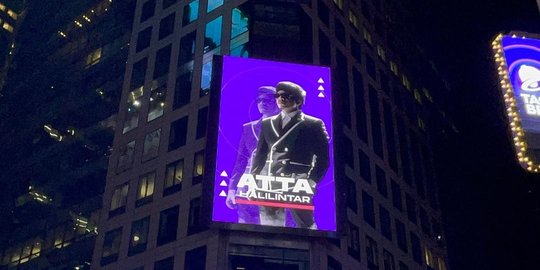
column 241, row 80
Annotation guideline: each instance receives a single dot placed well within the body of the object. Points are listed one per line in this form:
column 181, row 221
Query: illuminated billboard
column 518, row 60
column 274, row 155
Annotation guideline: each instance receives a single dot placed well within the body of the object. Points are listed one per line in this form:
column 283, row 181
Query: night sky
column 491, row 206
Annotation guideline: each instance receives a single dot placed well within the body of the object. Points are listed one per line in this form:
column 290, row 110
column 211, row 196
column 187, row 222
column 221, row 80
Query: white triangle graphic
column 321, row 95
column 320, row 80
column 223, row 183
column 320, row 88
column 224, row 174
column 223, row 194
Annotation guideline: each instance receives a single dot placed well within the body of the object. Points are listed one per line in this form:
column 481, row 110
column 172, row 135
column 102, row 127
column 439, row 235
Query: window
column 191, row 13
column 151, row 145
column 356, row 51
column 111, row 246
column 360, row 102
column 8, row 27
column 390, row 137
column 382, row 188
column 367, row 36
column 370, row 67
column 350, row 194
column 397, row 199
column 388, row 261
column 376, row 128
column 403, row 266
column 394, row 68
column 406, row 82
column 213, row 4
column 148, row 10
column 202, row 119
column 143, row 39
column 333, row 264
column 134, row 101
column 174, row 176
column 187, row 48
column 369, row 209
column 157, row 102
column 194, row 219
column 212, row 34
column 424, row 221
column 372, row 253
column 353, row 241
column 401, row 236
column 195, row 259
column 166, row 26
column 119, row 200
column 168, row 3
column 239, row 22
column 178, row 133
column 165, row 264
column 339, row 31
column 63, row 235
column 411, row 208
column 323, row 12
column 206, row 78
column 139, row 236
column 198, row 168
column 416, row 248
column 93, row 57
column 353, row 19
column 168, row 225
column 324, row 49
column 339, row 4
column 381, row 52
column 139, row 71
column 145, row 188
column 163, row 59
column 428, row 256
column 365, row 167
column 386, row 223
column 182, row 92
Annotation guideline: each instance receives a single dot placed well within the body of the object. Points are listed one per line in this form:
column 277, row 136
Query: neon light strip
column 275, row 204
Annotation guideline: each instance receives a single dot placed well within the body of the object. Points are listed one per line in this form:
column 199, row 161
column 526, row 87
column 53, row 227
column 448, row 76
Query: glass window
column 198, row 168
column 397, row 199
column 202, row 122
column 388, row 260
column 380, row 175
column 134, row 101
column 151, row 145
column 372, row 253
column 191, row 13
column 365, row 167
column 240, row 50
column 182, row 89
column 139, row 236
column 93, row 57
column 168, row 3
column 386, row 223
column 157, row 102
column 212, row 34
column 353, row 19
column 350, row 194
column 369, row 209
column 119, row 200
column 163, row 59
column 333, row 264
column 411, row 208
column 174, row 176
column 213, row 4
column 148, row 10
column 166, row 26
column 63, row 235
column 239, row 22
column 424, row 221
column 325, row 51
column 360, row 102
column 139, row 71
column 195, row 259
column 403, row 266
column 143, row 39
column 125, row 160
column 145, row 188
column 165, row 264
column 339, row 31
column 353, row 241
column 206, row 78
column 324, row 12
column 187, row 48
column 194, row 219
column 401, row 236
column 416, row 248
column 178, row 133
column 111, row 246
column 376, row 128
column 356, row 50
column 428, row 257
column 168, row 225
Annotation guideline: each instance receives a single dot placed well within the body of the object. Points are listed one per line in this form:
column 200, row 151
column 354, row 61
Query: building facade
column 390, row 109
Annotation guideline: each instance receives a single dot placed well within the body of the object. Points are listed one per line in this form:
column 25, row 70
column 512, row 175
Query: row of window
column 167, row 232
column 171, row 182
column 86, row 18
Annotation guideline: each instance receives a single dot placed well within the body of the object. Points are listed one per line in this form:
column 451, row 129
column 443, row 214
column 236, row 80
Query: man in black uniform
column 291, row 144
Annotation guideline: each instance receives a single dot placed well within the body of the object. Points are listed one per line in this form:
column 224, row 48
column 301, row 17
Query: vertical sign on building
column 518, row 65
column 274, row 160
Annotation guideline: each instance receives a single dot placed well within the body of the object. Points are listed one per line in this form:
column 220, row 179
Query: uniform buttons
column 284, row 162
column 286, row 149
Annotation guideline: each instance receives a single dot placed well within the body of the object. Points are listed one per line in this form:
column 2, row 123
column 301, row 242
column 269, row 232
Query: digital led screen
column 274, row 160
column 518, row 59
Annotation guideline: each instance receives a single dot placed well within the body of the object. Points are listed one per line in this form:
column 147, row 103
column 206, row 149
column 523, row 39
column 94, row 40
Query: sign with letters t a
column 274, row 156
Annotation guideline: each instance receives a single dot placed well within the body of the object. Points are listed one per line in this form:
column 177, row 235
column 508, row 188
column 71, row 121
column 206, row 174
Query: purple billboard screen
column 274, row 162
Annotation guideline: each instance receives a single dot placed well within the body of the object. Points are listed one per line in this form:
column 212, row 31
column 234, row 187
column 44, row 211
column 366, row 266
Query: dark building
column 391, row 109
column 58, row 110
column 11, row 14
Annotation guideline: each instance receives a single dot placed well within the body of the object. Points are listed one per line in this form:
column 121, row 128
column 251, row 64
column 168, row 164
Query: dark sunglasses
column 283, row 96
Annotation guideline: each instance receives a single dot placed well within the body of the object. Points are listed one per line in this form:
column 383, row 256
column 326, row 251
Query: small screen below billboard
column 274, row 161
